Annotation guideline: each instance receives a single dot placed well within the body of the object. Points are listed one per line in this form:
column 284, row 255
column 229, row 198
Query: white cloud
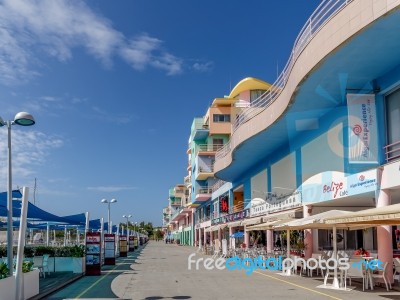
column 29, row 150
column 203, row 67
column 63, row 26
column 110, row 189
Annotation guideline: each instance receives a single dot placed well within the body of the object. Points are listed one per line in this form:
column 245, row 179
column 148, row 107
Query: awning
column 314, row 221
column 235, row 224
column 288, row 214
column 268, row 225
column 385, row 215
column 252, row 221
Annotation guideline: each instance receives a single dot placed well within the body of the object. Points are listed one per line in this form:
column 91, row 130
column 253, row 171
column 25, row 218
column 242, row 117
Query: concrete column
column 384, row 233
column 246, row 237
column 230, row 239
column 211, row 237
column 270, row 240
column 204, row 236
column 196, row 234
column 308, row 236
column 220, row 235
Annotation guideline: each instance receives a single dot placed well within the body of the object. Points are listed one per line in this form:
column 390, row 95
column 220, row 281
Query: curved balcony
column 343, row 46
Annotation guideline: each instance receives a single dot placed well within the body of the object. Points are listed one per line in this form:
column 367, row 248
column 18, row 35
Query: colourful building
column 324, row 136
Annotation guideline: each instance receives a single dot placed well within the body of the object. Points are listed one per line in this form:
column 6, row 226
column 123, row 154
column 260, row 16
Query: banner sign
column 363, row 134
column 334, row 185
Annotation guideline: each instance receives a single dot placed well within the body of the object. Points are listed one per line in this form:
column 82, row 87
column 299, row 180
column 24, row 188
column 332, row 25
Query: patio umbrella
column 238, row 234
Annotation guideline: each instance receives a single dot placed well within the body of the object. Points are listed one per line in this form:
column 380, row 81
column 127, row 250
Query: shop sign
column 335, row 185
column 232, row 217
column 276, row 203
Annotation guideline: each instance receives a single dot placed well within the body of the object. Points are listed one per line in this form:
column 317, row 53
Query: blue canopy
column 3, row 197
column 34, row 213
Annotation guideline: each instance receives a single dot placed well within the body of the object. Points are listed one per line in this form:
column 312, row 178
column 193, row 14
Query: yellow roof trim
column 223, row 102
column 248, row 84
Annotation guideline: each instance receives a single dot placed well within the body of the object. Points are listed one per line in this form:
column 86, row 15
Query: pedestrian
column 278, row 243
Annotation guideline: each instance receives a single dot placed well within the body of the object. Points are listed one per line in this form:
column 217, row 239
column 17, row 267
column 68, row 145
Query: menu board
column 109, row 249
column 123, row 246
column 93, row 253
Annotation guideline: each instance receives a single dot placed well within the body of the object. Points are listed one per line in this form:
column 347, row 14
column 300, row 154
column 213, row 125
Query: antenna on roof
column 34, row 193
column 277, row 68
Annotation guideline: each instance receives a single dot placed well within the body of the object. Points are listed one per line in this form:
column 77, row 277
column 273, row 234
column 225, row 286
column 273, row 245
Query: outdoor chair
column 356, row 272
column 396, row 266
column 313, row 264
column 382, row 275
column 42, row 263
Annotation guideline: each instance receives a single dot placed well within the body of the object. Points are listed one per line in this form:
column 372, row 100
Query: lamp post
column 127, row 223
column 23, row 119
column 109, row 203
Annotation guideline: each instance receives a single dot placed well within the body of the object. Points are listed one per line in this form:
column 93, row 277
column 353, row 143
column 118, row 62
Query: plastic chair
column 382, row 275
column 355, row 272
column 396, row 265
column 42, row 263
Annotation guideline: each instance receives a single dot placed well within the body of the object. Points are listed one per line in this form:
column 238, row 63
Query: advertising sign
column 123, row 246
column 109, row 249
column 93, row 253
column 363, row 133
column 131, row 244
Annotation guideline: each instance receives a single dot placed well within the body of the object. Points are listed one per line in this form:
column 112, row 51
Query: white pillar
column 270, row 240
column 19, row 287
column 246, row 237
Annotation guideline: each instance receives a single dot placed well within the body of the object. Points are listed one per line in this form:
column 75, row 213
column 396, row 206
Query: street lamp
column 127, row 223
column 23, row 119
column 109, row 203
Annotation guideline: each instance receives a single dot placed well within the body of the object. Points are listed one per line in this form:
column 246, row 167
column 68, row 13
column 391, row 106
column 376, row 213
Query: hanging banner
column 363, row 135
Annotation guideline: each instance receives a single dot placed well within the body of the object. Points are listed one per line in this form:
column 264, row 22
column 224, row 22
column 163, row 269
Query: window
column 255, row 94
column 217, row 118
column 393, row 121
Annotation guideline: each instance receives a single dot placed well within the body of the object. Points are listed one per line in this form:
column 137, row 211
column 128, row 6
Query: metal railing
column 236, row 208
column 217, row 185
column 209, row 147
column 392, row 151
column 206, row 190
column 204, row 168
column 323, row 13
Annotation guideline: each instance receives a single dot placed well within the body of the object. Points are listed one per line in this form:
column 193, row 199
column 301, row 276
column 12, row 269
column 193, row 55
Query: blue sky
column 114, row 87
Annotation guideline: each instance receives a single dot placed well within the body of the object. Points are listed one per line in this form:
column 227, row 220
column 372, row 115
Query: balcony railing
column 209, row 147
column 236, row 208
column 325, row 11
column 392, row 151
column 205, row 190
column 188, row 180
column 217, row 184
column 204, row 168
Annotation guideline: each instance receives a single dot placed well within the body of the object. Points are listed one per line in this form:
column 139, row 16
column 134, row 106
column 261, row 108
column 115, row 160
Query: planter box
column 31, row 285
column 7, row 288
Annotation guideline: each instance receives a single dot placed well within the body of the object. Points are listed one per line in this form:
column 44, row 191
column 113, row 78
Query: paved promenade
column 160, row 271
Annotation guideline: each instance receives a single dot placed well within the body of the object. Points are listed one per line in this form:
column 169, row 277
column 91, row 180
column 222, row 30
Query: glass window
column 393, row 121
column 393, row 116
column 221, row 118
column 255, row 94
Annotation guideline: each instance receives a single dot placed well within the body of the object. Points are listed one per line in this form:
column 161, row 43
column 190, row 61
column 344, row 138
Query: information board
column 109, row 249
column 93, row 253
column 131, row 244
column 123, row 246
